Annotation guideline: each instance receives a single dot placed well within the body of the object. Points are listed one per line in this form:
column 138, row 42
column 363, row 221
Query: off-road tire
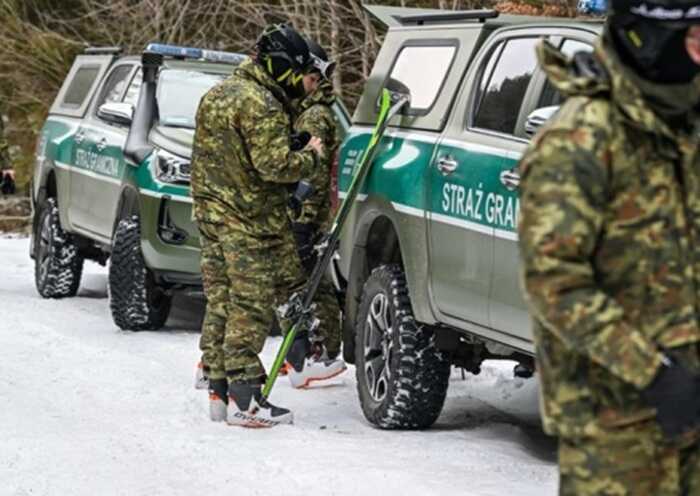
column 417, row 373
column 58, row 264
column 136, row 301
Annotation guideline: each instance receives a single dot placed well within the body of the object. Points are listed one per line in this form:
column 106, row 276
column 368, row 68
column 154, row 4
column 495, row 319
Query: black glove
column 675, row 393
column 302, row 192
column 297, row 141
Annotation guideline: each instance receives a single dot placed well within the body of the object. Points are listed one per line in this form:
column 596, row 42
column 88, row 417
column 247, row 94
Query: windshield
column 179, row 92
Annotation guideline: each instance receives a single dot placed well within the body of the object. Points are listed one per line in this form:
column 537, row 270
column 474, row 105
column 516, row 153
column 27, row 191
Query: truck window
column 179, row 93
column 132, row 92
column 80, row 86
column 423, row 70
column 114, row 86
column 505, row 85
column 550, row 95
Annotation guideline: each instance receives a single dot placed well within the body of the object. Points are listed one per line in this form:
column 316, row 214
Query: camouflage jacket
column 609, row 236
column 317, row 118
column 241, row 156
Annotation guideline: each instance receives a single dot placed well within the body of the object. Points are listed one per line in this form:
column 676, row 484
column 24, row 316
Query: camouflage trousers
column 244, row 283
column 633, row 461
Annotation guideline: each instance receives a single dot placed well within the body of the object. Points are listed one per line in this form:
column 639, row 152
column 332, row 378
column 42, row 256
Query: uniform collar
column 322, row 96
column 250, row 69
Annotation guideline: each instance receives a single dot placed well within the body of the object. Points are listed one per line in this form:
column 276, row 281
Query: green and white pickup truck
column 112, row 176
column 430, row 249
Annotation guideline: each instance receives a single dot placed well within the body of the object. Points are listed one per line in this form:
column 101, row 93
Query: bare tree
column 40, row 38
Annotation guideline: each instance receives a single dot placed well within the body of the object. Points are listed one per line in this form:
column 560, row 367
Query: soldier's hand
column 675, row 393
column 315, row 144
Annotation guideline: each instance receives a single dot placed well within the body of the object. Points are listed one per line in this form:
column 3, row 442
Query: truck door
column 66, row 124
column 471, row 211
column 508, row 311
column 99, row 165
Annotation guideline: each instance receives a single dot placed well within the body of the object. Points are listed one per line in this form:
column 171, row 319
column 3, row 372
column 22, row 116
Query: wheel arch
column 377, row 242
column 129, row 204
column 47, row 188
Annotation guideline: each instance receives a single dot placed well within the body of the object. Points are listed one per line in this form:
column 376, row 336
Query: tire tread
column 421, row 373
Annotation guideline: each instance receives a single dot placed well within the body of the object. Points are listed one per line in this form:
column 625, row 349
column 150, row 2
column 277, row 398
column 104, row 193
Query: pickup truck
column 430, row 250
column 112, row 174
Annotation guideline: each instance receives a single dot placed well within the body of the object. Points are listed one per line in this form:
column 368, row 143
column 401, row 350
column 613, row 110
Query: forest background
column 40, row 38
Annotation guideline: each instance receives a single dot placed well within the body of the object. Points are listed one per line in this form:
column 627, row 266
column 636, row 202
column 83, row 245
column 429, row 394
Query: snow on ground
column 86, row 409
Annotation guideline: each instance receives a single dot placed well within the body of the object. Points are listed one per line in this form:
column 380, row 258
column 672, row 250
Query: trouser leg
column 328, row 312
column 216, row 285
column 628, row 462
column 252, row 300
column 327, row 308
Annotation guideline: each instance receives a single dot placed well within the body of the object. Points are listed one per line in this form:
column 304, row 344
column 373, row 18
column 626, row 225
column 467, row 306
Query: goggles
column 325, row 67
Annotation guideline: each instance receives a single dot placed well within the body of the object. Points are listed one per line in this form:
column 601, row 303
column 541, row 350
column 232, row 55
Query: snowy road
column 86, row 409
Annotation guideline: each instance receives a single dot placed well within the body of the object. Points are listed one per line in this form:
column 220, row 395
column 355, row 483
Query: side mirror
column 538, row 118
column 116, row 113
column 398, row 91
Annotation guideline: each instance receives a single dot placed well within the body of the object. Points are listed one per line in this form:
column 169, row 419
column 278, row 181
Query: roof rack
column 107, row 50
column 445, row 17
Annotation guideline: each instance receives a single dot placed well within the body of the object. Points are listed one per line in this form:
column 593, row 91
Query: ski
column 299, row 308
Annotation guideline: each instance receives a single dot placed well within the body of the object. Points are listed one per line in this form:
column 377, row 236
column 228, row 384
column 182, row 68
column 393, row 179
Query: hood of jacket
column 250, row 69
column 652, row 107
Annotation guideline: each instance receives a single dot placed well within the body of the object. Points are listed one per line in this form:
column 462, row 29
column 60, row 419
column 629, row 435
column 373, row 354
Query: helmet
column 284, row 54
column 321, row 63
column 650, row 37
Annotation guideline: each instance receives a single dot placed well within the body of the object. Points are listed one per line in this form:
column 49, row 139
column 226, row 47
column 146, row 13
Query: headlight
column 171, row 168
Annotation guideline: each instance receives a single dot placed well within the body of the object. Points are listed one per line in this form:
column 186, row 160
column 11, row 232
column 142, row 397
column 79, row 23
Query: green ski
column 299, row 308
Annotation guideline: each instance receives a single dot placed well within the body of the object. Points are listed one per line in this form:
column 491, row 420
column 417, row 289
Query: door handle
column 101, row 145
column 447, row 165
column 510, row 179
column 79, row 137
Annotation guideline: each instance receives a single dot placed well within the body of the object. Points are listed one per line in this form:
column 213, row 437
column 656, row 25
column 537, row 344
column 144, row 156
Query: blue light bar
column 225, row 57
column 593, row 7
column 196, row 53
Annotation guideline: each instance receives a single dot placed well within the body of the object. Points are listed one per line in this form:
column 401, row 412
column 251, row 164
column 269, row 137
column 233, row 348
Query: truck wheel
column 402, row 378
column 136, row 301
column 58, row 264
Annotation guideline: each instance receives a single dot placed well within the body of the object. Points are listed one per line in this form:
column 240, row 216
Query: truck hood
column 175, row 140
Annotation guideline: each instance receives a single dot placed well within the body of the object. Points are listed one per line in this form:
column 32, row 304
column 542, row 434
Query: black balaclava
column 646, row 46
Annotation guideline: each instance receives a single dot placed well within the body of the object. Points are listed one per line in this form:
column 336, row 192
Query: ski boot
column 218, row 399
column 247, row 409
column 308, row 363
column 201, row 381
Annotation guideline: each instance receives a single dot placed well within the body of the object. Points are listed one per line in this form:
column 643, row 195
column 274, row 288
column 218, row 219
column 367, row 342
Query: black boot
column 218, row 399
column 246, row 408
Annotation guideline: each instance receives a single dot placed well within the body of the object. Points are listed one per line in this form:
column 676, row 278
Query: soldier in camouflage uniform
column 241, row 166
column 610, row 246
column 316, row 117
column 7, row 176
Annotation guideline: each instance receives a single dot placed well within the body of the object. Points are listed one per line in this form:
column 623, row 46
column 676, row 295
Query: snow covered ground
column 86, row 409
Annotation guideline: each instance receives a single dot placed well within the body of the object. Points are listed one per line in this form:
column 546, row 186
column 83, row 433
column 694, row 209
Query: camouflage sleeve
column 266, row 129
column 563, row 195
column 321, row 124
